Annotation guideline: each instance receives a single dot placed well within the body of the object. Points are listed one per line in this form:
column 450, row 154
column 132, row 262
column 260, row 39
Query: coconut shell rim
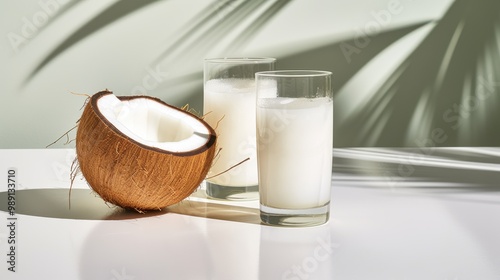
column 210, row 142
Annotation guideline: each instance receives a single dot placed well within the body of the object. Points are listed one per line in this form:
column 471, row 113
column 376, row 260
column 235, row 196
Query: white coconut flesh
column 153, row 124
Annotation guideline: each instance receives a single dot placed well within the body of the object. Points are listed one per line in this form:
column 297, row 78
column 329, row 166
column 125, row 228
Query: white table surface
column 396, row 214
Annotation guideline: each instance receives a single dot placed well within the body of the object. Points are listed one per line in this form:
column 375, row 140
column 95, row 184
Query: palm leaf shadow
column 113, row 13
column 214, row 24
column 451, row 63
column 61, row 11
column 330, row 57
column 252, row 29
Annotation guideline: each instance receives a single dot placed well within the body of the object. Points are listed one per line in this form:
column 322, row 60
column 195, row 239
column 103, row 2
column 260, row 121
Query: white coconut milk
column 229, row 106
column 295, row 151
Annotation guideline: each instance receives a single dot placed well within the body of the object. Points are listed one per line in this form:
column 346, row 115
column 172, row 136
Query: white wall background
column 157, row 49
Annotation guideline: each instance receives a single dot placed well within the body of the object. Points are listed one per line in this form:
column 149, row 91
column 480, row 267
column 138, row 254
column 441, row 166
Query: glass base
column 232, row 193
column 295, row 217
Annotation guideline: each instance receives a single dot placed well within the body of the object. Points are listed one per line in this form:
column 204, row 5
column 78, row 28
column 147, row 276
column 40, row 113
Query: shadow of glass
column 216, row 211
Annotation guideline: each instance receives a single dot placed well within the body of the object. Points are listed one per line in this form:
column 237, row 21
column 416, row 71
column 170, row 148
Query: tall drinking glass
column 229, row 107
column 294, row 146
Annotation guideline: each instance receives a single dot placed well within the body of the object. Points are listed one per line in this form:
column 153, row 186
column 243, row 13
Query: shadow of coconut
column 87, row 205
column 54, row 203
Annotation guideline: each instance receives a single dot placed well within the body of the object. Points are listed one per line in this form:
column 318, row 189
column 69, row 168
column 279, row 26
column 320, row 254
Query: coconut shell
column 132, row 175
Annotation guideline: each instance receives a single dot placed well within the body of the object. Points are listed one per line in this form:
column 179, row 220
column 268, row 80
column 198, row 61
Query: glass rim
column 293, row 73
column 255, row 60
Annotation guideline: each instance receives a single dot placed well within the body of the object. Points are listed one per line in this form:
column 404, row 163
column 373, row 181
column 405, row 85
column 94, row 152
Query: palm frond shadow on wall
column 445, row 93
column 112, row 14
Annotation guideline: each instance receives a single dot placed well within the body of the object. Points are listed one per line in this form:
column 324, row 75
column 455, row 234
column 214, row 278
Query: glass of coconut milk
column 294, row 146
column 229, row 107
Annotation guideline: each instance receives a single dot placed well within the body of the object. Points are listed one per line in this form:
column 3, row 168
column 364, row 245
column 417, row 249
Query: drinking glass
column 294, row 146
column 229, row 107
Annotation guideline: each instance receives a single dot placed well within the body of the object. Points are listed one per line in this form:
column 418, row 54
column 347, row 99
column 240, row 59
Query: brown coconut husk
column 132, row 175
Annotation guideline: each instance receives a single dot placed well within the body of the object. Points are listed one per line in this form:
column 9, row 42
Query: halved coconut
column 139, row 152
